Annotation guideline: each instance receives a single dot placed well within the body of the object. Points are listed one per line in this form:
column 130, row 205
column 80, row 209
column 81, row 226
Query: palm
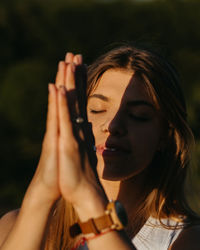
column 65, row 165
column 74, row 165
column 45, row 180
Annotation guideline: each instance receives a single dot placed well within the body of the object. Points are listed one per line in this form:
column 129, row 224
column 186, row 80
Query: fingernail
column 76, row 60
column 67, row 56
column 50, row 86
column 60, row 64
column 62, row 89
column 80, row 58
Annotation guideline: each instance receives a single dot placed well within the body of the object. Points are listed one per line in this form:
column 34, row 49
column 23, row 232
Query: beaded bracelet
column 82, row 241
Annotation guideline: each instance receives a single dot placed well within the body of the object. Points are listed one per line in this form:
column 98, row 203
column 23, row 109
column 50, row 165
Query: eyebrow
column 100, row 96
column 130, row 103
column 139, row 103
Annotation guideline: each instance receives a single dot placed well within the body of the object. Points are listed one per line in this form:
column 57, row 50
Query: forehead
column 118, row 84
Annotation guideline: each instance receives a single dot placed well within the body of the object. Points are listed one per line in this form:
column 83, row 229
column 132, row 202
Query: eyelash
column 139, row 118
column 96, row 111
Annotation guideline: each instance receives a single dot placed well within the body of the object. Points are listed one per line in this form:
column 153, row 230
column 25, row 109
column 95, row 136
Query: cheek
column 97, row 121
column 145, row 141
column 94, row 127
column 95, row 130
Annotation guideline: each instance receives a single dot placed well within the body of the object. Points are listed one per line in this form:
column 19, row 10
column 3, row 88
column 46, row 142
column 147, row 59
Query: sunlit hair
column 167, row 172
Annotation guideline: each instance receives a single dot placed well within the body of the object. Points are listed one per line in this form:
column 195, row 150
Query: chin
column 108, row 172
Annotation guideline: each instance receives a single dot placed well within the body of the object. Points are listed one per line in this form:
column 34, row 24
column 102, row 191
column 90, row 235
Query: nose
column 115, row 126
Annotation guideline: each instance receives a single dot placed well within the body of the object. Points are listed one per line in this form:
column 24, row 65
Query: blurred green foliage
column 34, row 36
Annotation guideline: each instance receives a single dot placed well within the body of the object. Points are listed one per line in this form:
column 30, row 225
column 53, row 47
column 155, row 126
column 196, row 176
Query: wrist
column 92, row 204
column 36, row 198
column 114, row 218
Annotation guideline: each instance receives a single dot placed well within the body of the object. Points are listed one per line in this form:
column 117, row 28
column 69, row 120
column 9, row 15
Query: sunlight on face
column 126, row 125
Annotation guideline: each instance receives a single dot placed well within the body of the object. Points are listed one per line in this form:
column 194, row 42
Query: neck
column 131, row 193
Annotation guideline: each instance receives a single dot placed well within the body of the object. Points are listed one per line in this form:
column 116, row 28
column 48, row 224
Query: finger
column 52, row 116
column 70, row 77
column 80, row 83
column 69, row 57
column 65, row 124
column 60, row 76
column 78, row 59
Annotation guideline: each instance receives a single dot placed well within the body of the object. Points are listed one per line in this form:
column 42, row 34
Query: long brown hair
column 168, row 170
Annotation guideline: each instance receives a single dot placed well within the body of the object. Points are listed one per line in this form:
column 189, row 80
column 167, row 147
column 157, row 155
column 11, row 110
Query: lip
column 111, row 150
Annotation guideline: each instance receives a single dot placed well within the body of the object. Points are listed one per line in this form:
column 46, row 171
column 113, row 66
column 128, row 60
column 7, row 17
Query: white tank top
column 153, row 236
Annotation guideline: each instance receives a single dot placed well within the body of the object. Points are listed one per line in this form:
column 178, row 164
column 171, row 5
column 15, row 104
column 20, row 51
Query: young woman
column 142, row 144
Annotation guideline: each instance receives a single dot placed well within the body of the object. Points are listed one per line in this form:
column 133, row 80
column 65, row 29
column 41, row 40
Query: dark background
column 35, row 35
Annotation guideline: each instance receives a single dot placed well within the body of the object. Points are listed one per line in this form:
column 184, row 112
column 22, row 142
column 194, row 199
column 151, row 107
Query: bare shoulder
column 189, row 238
column 6, row 223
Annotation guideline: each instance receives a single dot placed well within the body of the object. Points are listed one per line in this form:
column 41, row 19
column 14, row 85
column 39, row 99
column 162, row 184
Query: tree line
column 35, row 35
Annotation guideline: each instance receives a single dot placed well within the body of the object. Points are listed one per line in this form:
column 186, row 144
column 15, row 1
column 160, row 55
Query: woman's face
column 126, row 125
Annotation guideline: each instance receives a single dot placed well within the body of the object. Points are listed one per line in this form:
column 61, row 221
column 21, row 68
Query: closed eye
column 139, row 118
column 96, row 111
